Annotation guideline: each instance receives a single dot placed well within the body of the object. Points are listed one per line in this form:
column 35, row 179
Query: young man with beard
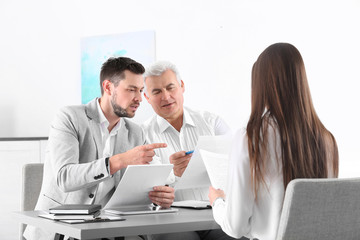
column 90, row 145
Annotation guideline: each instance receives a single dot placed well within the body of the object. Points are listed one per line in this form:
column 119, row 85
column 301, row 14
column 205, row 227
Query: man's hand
column 214, row 194
column 162, row 196
column 137, row 156
column 180, row 161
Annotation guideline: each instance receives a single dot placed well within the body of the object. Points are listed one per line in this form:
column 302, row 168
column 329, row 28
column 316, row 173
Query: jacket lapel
column 92, row 113
column 121, row 146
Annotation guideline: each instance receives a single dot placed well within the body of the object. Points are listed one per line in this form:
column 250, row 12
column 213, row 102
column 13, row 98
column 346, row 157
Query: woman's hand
column 214, row 194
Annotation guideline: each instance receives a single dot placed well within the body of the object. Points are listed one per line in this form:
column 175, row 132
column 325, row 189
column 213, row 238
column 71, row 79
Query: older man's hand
column 163, row 196
column 180, row 161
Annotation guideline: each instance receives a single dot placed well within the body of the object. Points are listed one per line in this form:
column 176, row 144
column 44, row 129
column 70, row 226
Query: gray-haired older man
column 179, row 127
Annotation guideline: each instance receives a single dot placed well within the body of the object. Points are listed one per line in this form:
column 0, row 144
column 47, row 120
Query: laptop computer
column 139, row 209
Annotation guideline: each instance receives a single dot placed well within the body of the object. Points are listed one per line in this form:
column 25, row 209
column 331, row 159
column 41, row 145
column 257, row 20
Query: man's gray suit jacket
column 74, row 165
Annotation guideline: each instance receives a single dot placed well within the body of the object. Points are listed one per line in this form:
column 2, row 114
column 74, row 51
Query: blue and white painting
column 95, row 50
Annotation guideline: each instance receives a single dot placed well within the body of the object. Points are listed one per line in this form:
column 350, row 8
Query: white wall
column 16, row 154
column 214, row 44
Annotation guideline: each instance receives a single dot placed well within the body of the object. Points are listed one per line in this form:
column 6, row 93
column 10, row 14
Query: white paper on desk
column 136, row 183
column 196, row 174
column 217, row 168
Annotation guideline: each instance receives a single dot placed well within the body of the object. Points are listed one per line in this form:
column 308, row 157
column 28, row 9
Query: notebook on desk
column 75, row 209
column 192, row 204
column 139, row 209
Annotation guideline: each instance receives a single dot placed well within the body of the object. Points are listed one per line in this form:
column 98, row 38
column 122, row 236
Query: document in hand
column 136, row 183
column 217, row 168
column 208, row 164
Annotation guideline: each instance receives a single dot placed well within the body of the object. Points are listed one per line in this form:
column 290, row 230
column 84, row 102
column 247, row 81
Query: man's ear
column 107, row 85
column 146, row 97
column 182, row 86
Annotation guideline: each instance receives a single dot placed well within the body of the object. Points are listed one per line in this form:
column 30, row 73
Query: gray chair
column 31, row 185
column 321, row 209
column 32, row 177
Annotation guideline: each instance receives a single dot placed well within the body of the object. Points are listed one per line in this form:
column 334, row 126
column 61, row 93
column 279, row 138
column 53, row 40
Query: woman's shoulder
column 240, row 145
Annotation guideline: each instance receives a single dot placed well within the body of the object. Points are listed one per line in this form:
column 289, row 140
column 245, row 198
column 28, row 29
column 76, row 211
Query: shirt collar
column 187, row 118
column 164, row 124
column 102, row 117
column 103, row 120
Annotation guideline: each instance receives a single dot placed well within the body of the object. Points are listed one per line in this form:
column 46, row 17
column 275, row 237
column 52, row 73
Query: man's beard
column 119, row 111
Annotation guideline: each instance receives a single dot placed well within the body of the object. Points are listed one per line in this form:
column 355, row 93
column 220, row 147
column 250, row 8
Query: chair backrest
column 321, row 209
column 32, row 176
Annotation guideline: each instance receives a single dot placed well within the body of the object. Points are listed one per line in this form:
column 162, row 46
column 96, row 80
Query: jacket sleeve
column 64, row 147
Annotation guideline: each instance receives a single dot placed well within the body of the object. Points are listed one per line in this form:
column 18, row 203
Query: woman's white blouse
column 240, row 215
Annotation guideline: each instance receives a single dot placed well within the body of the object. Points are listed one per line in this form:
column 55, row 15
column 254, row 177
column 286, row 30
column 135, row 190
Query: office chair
column 31, row 185
column 32, row 176
column 321, row 209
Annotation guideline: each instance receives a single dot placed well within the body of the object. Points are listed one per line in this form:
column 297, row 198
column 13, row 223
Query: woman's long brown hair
column 281, row 97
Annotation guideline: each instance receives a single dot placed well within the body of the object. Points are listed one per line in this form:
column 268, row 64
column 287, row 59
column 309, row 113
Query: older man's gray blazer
column 74, row 165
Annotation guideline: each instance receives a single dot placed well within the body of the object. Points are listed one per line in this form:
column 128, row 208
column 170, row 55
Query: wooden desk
column 182, row 221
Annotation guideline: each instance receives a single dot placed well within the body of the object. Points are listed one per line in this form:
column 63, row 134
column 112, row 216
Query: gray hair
column 158, row 68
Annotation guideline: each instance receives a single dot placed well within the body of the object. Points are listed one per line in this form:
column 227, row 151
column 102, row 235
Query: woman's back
column 246, row 214
column 281, row 97
column 284, row 140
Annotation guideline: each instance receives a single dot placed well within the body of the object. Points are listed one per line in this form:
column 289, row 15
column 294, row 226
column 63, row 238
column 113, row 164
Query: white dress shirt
column 106, row 187
column 195, row 124
column 240, row 215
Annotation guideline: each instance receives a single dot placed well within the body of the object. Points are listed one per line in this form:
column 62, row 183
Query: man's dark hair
column 113, row 70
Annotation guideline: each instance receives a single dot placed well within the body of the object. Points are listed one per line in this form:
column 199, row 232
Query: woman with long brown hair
column 284, row 140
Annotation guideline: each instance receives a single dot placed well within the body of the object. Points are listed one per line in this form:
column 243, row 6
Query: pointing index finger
column 155, row 145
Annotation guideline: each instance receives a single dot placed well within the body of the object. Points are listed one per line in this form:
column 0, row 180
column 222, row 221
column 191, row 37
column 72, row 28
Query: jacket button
column 91, row 195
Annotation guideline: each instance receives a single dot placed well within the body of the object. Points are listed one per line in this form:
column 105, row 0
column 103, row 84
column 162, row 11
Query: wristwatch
column 218, row 198
column 107, row 163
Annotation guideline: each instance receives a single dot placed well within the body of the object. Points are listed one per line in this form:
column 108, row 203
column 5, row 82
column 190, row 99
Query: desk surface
column 181, row 221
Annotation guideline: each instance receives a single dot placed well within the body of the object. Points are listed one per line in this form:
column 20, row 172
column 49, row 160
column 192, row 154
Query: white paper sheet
column 137, row 182
column 217, row 168
column 196, row 174
column 216, row 144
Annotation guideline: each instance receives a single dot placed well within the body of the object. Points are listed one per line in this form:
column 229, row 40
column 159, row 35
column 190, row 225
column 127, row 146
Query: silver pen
column 52, row 199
